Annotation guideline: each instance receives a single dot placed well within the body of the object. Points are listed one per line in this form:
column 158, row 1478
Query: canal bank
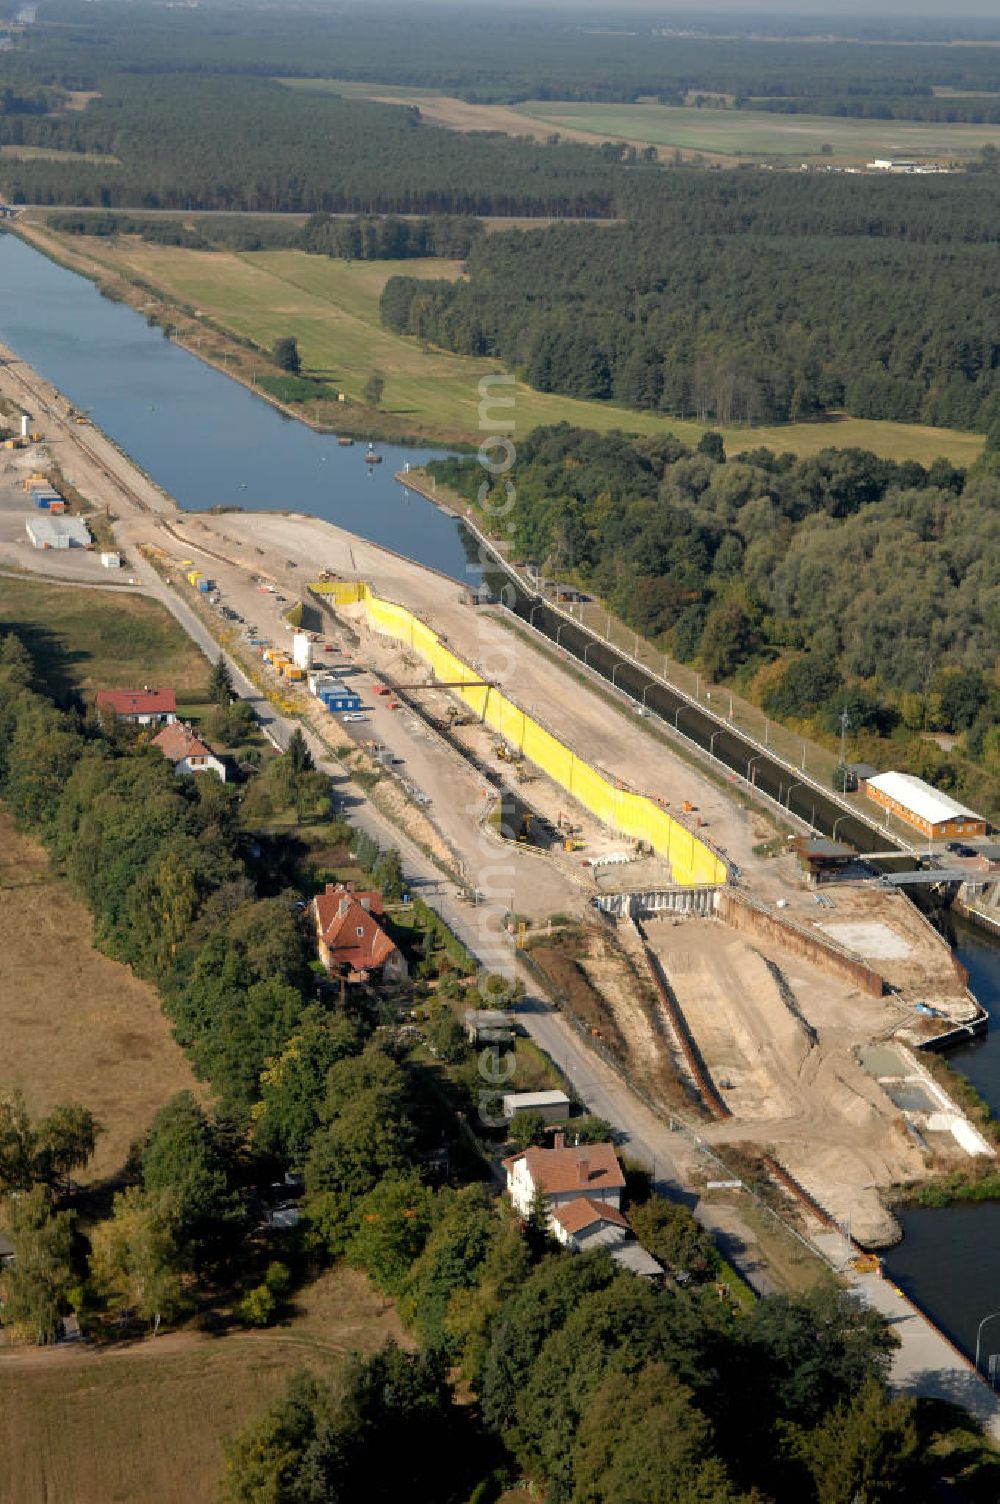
column 948, row 1262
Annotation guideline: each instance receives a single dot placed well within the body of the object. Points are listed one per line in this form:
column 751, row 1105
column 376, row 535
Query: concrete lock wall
column 634, row 815
column 737, row 910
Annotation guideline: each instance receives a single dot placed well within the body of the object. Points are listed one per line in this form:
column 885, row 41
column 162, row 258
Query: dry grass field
column 144, row 1424
column 74, row 1024
column 88, row 639
column 332, row 308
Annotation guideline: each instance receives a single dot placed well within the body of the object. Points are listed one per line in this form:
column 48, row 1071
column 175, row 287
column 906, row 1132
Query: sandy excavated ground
column 885, row 929
column 779, row 1041
column 294, row 549
column 640, row 757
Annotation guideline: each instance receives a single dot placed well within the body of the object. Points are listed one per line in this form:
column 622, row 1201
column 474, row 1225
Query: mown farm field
column 750, row 133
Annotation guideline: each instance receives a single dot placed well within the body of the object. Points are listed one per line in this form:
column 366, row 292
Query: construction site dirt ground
column 779, row 1038
column 623, row 745
column 806, row 1097
column 885, row 929
column 293, row 549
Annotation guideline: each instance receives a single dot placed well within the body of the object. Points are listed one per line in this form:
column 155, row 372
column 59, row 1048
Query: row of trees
column 359, row 238
column 603, row 1390
column 838, row 581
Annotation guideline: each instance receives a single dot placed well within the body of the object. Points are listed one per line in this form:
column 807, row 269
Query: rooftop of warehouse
column 920, row 797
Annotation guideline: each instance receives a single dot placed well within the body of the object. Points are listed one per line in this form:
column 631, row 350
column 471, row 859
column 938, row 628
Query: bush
column 258, row 1307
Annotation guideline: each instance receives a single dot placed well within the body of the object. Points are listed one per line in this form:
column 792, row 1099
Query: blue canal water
column 208, row 442
column 204, row 438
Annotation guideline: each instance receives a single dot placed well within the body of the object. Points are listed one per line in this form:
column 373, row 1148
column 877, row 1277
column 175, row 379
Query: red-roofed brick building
column 141, row 707
column 349, row 937
column 179, row 744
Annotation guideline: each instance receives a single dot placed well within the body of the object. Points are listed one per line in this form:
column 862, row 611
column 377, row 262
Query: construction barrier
column 634, row 815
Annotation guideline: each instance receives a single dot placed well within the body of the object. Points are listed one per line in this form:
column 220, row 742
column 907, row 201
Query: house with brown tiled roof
column 187, row 752
column 582, row 1189
column 349, row 938
column 562, row 1174
column 585, row 1219
column 141, row 707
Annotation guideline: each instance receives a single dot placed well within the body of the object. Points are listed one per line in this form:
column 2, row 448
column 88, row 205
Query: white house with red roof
column 349, row 937
column 187, row 752
column 563, row 1174
column 140, row 707
column 582, row 1190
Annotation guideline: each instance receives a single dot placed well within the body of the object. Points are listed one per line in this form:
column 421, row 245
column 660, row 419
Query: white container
column 302, row 650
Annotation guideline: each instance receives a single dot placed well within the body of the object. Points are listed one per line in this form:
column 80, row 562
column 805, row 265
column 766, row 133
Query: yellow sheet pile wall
column 635, row 815
column 342, row 592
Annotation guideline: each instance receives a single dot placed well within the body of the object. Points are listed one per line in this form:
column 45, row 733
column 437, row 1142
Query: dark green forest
column 838, row 582
column 188, row 142
column 356, row 238
column 489, row 57
column 745, row 298
column 739, row 296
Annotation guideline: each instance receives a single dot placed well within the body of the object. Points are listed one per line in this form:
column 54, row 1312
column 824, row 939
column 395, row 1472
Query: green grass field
column 332, row 308
column 716, row 132
column 87, row 639
column 754, row 133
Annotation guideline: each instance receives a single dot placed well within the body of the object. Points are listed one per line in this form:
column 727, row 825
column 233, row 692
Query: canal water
column 205, row 438
column 208, row 441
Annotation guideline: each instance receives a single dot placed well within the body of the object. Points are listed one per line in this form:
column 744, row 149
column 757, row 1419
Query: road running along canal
column 204, row 438
column 208, row 441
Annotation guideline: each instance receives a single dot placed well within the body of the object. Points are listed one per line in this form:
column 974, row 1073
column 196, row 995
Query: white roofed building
column 46, row 531
column 938, row 815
